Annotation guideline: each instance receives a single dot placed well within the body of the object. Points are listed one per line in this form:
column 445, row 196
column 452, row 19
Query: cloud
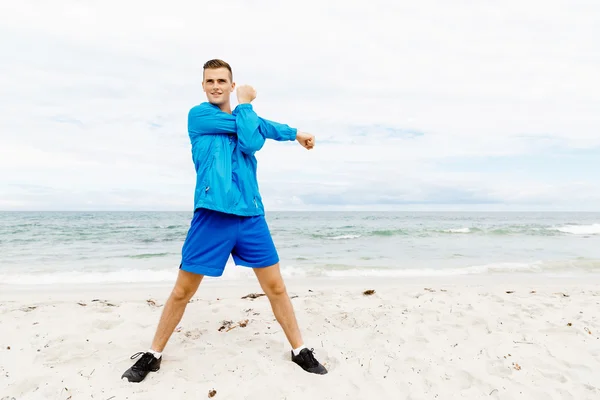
column 412, row 103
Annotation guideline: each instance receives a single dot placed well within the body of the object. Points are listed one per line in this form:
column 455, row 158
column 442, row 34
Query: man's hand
column 305, row 139
column 245, row 94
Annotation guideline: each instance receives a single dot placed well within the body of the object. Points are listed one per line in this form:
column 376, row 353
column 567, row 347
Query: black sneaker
column 148, row 363
column 307, row 361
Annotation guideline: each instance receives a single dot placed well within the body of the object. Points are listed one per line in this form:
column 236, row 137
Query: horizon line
column 307, row 210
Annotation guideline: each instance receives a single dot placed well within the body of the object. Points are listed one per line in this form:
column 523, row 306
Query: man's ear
column 232, row 86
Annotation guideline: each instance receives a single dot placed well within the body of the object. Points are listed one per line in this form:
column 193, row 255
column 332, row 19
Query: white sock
column 155, row 353
column 298, row 350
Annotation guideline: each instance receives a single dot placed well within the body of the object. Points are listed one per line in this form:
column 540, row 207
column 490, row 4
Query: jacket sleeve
column 250, row 137
column 277, row 131
column 250, row 129
column 206, row 120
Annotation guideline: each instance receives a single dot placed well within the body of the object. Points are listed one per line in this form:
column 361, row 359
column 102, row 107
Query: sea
column 42, row 248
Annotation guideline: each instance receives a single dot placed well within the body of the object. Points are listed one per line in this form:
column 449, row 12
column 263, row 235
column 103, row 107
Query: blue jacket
column 223, row 147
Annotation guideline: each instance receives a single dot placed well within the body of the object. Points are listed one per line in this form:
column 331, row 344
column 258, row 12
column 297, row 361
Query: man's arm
column 250, row 138
column 277, row 131
column 252, row 131
column 281, row 132
column 206, row 119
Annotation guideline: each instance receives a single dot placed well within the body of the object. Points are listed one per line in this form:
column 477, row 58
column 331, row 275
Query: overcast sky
column 415, row 105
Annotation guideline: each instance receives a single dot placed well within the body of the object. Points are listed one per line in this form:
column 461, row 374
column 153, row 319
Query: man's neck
column 226, row 108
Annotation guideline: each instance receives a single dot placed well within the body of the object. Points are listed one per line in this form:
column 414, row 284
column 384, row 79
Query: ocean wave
column 499, row 231
column 508, row 230
column 148, row 255
column 83, row 277
column 182, row 227
column 458, row 230
column 232, row 272
column 593, row 229
column 355, row 235
column 550, row 267
column 529, row 230
column 388, row 232
column 341, row 237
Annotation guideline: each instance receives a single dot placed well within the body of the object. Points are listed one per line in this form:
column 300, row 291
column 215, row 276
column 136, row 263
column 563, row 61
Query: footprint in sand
column 103, row 306
column 64, row 350
column 193, row 334
column 553, row 376
column 107, row 324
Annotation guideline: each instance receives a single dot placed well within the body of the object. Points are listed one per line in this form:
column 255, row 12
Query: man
column 228, row 212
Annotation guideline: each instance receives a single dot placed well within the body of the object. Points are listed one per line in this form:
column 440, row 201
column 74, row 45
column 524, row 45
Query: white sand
column 464, row 338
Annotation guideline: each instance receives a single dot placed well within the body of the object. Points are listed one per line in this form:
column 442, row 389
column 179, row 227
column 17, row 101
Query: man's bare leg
column 272, row 284
column 185, row 287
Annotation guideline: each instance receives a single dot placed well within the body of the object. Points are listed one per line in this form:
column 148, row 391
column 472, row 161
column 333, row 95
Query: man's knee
column 186, row 286
column 274, row 286
column 275, row 289
column 271, row 281
column 182, row 293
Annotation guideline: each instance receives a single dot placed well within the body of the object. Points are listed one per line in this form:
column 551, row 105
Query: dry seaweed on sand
column 369, row 292
column 152, row 302
column 253, row 295
column 105, row 302
column 229, row 325
column 225, row 325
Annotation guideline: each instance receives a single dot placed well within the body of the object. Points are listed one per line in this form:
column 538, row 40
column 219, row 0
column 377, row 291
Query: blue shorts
column 214, row 235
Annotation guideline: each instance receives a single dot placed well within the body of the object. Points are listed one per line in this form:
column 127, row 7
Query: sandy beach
column 521, row 337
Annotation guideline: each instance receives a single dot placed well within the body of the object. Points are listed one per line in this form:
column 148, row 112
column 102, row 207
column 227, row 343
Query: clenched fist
column 245, row 94
column 305, row 139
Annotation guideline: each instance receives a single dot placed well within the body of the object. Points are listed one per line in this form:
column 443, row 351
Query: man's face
column 217, row 85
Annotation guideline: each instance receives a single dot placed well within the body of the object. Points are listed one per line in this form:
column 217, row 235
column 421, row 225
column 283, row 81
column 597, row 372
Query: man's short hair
column 216, row 63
